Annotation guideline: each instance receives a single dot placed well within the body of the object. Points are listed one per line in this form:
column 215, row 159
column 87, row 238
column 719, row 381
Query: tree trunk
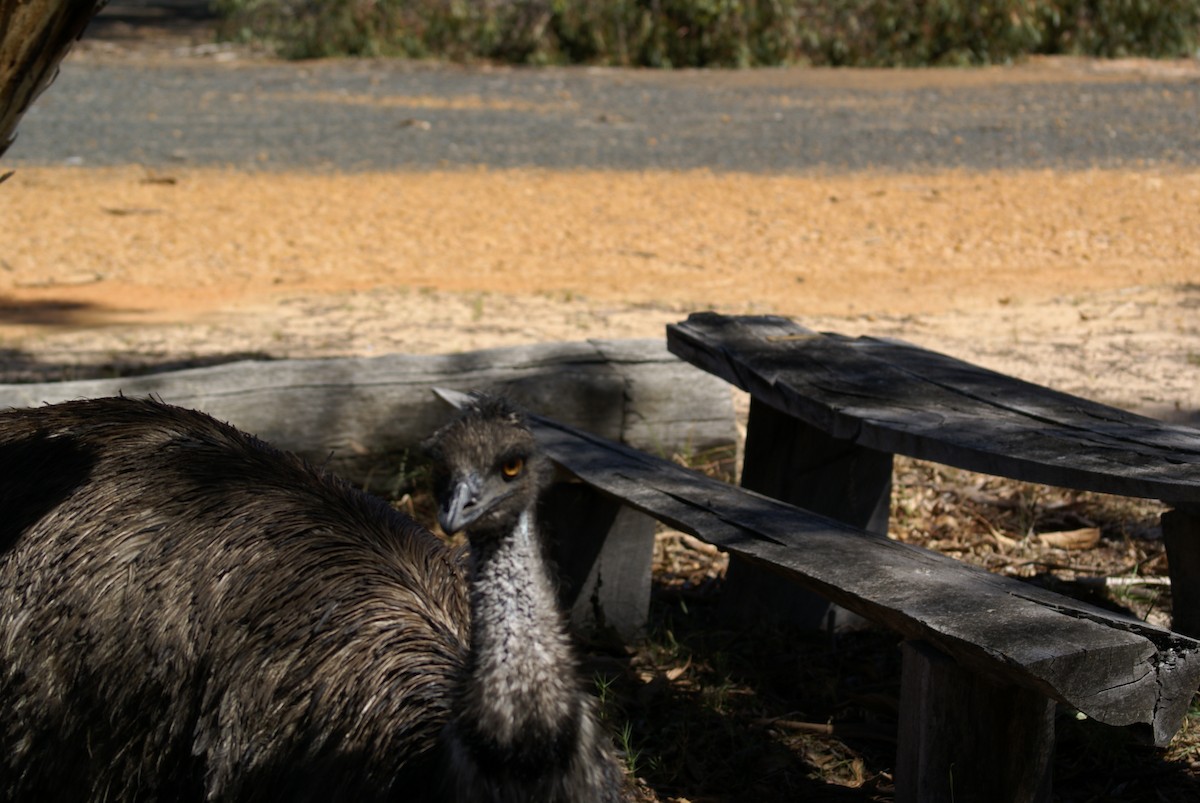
column 35, row 35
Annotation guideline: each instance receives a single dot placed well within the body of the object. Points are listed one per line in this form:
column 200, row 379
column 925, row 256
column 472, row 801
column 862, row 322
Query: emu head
column 487, row 469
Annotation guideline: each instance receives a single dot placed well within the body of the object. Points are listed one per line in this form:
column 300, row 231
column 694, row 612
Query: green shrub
column 1120, row 27
column 728, row 33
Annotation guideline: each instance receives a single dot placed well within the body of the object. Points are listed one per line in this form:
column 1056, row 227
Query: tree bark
column 35, row 35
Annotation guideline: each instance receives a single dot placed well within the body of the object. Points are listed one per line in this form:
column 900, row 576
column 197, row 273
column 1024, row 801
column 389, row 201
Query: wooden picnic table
column 828, row 412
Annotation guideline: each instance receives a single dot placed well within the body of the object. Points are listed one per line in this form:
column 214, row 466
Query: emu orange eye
column 512, row 468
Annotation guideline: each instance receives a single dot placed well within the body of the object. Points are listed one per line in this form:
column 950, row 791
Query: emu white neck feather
column 523, row 673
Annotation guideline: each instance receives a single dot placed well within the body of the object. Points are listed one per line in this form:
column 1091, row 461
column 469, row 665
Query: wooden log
column 1181, row 535
column 789, row 460
column 35, row 36
column 364, row 418
column 1115, row 669
column 966, row 739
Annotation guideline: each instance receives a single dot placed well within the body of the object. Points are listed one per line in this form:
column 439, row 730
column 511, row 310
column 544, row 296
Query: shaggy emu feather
column 189, row 614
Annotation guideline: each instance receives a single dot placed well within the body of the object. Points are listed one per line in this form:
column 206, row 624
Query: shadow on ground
column 710, row 714
column 48, row 312
column 19, row 366
column 60, row 313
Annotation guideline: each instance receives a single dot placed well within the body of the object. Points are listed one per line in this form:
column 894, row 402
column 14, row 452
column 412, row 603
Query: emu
column 187, row 613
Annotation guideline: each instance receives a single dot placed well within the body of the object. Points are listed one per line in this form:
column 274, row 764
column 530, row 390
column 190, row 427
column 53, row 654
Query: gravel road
column 207, row 105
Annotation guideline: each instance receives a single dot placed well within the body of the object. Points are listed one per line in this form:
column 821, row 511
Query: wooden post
column 603, row 551
column 965, row 739
column 791, row 461
column 1181, row 534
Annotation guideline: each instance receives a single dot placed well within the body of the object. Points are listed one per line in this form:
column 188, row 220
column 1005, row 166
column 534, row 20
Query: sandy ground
column 1088, row 281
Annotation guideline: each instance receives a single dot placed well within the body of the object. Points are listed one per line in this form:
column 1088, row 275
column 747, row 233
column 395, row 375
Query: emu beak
column 460, row 507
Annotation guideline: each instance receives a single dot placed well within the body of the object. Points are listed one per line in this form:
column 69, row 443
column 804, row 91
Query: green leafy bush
column 727, row 33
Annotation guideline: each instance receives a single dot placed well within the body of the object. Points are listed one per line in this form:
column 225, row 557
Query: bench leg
column 603, row 552
column 1181, row 534
column 788, row 460
column 966, row 739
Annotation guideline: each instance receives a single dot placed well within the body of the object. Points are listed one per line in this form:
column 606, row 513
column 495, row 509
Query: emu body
column 189, row 614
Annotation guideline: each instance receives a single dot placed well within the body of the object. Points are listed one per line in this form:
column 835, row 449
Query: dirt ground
column 1088, row 280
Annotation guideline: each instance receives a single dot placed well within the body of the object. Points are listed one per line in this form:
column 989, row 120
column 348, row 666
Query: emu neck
column 521, row 671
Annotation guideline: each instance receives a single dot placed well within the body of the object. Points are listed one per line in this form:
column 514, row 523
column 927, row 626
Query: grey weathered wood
column 895, row 397
column 789, row 460
column 965, row 739
column 603, row 551
column 362, row 417
column 1116, row 669
column 35, row 35
column 1181, row 534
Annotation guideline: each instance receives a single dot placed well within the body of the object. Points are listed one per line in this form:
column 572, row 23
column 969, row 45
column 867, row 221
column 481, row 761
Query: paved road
column 360, row 115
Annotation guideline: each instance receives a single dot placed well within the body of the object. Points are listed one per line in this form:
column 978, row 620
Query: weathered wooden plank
column 964, row 739
column 361, row 417
column 35, row 35
column 1115, row 669
column 899, row 398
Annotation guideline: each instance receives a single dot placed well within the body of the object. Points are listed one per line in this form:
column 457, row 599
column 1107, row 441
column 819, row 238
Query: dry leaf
column 676, row 672
column 1003, row 541
column 1084, row 538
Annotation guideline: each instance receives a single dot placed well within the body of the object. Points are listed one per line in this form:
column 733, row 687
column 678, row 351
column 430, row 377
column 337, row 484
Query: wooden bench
column 827, row 413
column 987, row 656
